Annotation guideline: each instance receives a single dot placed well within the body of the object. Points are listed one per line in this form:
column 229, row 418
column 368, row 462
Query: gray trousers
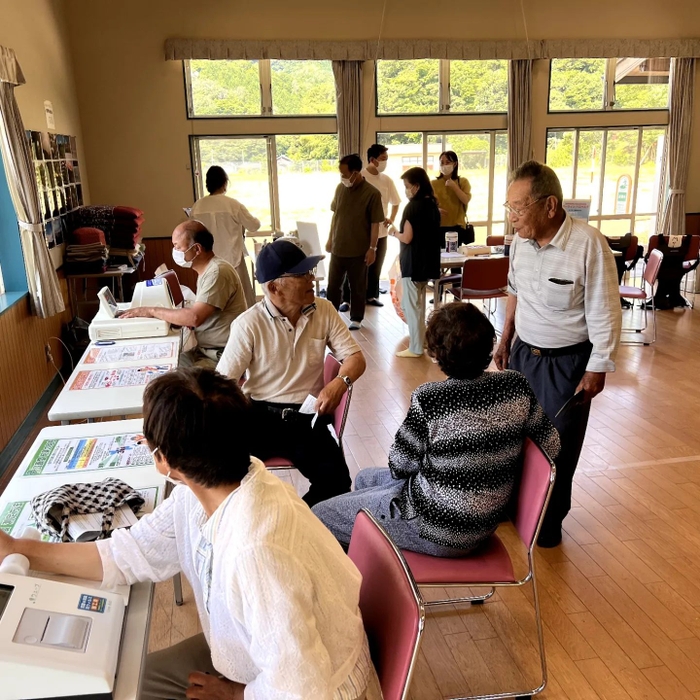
column 375, row 489
column 166, row 673
column 553, row 381
column 413, row 306
column 200, row 357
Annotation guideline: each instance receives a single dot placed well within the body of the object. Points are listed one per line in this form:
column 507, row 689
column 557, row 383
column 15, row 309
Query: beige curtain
column 369, row 50
column 44, row 288
column 519, row 117
column 348, row 89
column 680, row 121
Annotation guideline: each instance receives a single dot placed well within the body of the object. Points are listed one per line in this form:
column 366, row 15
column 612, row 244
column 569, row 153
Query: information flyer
column 87, row 454
column 125, row 353
column 16, row 516
column 119, row 378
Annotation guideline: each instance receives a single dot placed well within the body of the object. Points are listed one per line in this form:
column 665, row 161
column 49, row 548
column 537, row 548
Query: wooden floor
column 621, row 595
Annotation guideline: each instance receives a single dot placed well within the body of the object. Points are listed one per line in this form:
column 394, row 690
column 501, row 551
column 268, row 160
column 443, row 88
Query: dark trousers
column 313, row 451
column 356, row 271
column 374, row 272
column 553, row 381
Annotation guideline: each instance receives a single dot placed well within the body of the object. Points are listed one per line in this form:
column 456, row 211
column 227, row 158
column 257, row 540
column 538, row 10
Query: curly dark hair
column 200, row 422
column 461, row 339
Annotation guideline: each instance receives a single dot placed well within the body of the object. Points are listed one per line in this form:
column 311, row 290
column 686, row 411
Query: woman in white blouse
column 276, row 596
column 228, row 220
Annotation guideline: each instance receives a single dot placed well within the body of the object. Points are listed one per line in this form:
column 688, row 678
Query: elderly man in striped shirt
column 564, row 308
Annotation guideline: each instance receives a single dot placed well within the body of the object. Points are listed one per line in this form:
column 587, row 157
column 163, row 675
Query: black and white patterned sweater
column 458, row 450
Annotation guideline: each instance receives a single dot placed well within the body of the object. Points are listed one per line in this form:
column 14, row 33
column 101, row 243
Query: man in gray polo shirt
column 357, row 212
column 564, row 306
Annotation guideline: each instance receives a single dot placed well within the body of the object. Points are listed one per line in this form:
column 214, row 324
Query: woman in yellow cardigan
column 453, row 194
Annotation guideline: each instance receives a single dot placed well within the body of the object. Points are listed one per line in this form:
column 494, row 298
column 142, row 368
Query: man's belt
column 558, row 352
column 286, row 411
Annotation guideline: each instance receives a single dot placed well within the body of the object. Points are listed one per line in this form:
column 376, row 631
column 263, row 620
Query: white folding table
column 134, row 643
column 98, row 365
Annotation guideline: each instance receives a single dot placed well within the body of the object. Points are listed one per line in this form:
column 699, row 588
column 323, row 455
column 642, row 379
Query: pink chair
column 491, row 565
column 331, row 367
column 392, row 608
column 651, row 272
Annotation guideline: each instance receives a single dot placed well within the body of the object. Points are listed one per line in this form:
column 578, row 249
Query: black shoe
column 374, row 302
column 344, row 306
column 547, row 540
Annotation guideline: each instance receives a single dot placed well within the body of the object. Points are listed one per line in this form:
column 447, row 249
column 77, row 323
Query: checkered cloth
column 53, row 509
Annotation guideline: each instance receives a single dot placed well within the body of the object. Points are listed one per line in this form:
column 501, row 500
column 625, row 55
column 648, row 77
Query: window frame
column 266, row 98
column 198, row 188
column 598, row 219
column 608, row 103
column 490, row 223
column 444, row 94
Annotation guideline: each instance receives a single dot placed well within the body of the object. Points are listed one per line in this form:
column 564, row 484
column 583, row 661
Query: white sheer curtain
column 679, row 125
column 44, row 288
column 519, row 117
column 348, row 88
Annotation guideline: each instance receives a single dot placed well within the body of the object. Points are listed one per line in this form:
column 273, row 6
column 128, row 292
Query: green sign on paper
column 622, row 196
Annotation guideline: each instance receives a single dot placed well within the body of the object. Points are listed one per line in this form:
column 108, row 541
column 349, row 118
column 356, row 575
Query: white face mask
column 167, row 477
column 381, row 165
column 447, row 169
column 179, row 257
column 347, row 181
column 409, row 193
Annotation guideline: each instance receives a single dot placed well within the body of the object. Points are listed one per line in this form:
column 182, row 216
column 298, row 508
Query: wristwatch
column 346, row 379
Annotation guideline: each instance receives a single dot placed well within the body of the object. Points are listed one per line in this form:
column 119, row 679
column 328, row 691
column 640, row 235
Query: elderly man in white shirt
column 276, row 596
column 228, row 220
column 564, row 306
column 280, row 343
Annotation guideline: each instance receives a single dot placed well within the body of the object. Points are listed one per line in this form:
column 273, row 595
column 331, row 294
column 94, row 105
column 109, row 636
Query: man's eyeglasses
column 521, row 210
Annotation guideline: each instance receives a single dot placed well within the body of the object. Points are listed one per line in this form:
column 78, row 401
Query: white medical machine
column 57, row 640
column 107, row 325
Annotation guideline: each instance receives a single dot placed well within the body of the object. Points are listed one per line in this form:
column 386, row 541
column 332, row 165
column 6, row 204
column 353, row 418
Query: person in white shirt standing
column 280, row 343
column 277, row 598
column 228, row 220
column 377, row 158
column 564, row 305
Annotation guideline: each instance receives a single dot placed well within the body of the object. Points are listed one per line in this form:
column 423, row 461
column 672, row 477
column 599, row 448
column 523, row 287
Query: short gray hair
column 543, row 180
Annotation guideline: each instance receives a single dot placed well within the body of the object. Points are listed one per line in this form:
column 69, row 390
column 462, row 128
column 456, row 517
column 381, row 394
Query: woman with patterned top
column 454, row 461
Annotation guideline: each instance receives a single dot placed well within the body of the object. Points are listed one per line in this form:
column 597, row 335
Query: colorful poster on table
column 89, row 454
column 119, row 378
column 16, row 516
column 135, row 353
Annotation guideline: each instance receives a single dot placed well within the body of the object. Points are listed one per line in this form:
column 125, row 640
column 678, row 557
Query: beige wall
column 38, row 33
column 132, row 101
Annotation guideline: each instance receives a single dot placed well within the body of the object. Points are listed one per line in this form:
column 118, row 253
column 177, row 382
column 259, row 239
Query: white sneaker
column 355, row 325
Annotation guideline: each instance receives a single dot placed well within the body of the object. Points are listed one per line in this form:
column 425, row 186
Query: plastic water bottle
column 451, row 241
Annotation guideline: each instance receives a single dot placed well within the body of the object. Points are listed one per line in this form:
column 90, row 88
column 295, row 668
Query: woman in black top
column 420, row 254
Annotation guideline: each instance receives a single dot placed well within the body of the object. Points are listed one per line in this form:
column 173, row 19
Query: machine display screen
column 5, row 595
column 106, row 294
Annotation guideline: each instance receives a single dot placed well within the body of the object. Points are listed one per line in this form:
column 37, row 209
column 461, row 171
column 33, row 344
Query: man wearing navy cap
column 281, row 343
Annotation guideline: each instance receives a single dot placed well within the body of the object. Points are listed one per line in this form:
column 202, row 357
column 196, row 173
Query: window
column 621, row 170
column 482, row 160
column 259, row 88
column 432, row 86
column 280, row 179
column 589, row 84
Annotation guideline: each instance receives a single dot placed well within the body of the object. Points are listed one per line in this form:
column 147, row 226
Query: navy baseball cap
column 283, row 258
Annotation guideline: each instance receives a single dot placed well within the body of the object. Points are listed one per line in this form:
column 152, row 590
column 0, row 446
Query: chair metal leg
column 177, row 584
column 477, row 599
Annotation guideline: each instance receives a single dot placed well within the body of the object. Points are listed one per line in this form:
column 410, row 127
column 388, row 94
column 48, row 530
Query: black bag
column 468, row 235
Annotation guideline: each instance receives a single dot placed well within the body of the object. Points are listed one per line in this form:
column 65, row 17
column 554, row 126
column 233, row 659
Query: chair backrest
column 495, row 240
column 485, row 274
column 651, row 271
column 653, row 243
column 331, row 367
column 536, row 482
column 391, row 606
column 170, row 276
column 631, row 251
